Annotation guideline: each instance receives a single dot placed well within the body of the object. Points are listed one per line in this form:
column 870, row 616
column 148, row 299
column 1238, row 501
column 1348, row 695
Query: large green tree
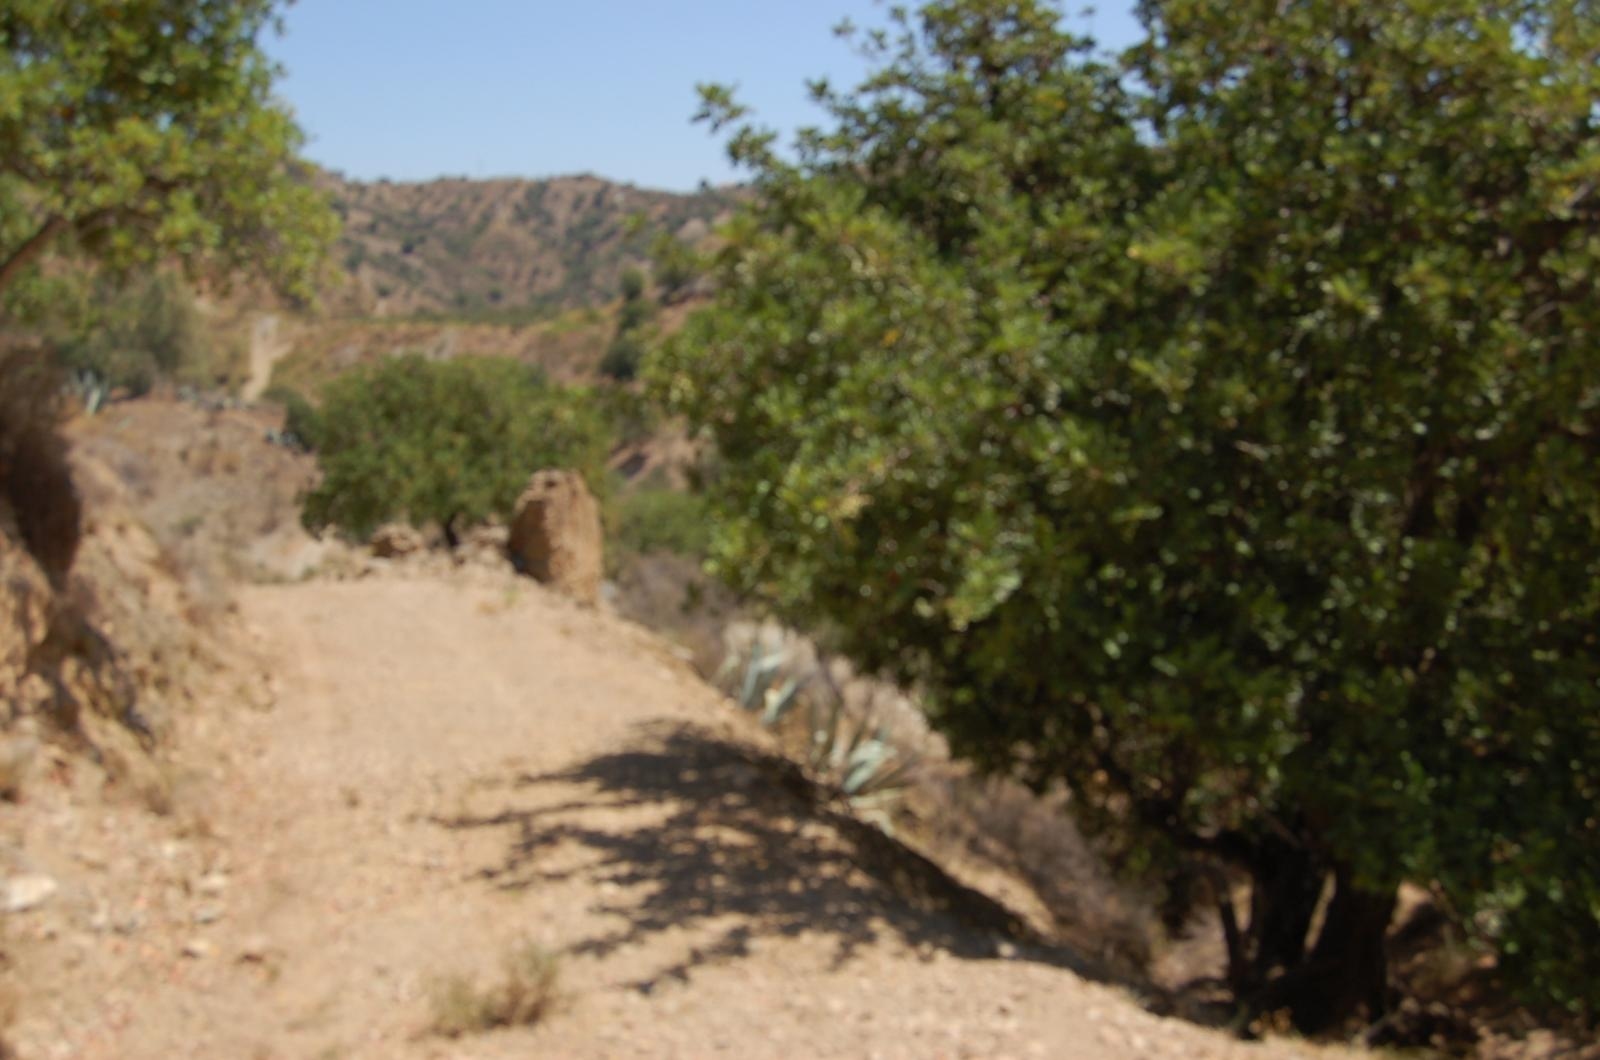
column 443, row 442
column 145, row 130
column 1212, row 428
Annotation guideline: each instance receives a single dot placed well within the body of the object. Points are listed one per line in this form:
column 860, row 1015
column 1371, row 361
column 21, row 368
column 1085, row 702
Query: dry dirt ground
column 444, row 764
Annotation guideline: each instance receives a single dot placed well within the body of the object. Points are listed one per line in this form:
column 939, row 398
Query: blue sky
column 415, row 89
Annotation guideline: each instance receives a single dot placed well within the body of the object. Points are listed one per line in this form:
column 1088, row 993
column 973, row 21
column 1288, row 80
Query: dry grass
column 527, row 992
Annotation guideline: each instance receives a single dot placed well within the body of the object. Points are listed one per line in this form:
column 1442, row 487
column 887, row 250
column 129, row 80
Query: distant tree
column 145, row 130
column 632, row 285
column 449, row 442
column 622, row 356
column 1213, row 429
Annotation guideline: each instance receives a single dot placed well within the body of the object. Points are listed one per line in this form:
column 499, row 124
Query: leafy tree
column 1211, row 428
column 449, row 442
column 145, row 130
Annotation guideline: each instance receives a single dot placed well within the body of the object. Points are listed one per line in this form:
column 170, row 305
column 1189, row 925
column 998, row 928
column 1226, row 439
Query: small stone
column 27, row 892
column 208, row 914
column 212, row 883
column 254, row 949
column 197, row 949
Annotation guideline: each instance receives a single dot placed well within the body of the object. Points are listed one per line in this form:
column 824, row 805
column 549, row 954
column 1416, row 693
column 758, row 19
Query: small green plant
column 528, row 991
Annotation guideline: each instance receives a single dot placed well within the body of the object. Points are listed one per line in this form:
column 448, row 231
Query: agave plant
column 847, row 752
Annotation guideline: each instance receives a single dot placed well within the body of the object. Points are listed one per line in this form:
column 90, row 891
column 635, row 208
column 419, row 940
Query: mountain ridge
column 504, row 249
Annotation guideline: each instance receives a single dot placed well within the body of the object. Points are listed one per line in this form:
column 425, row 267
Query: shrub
column 527, row 992
column 656, row 518
column 136, row 333
column 302, row 421
column 622, row 358
column 444, row 442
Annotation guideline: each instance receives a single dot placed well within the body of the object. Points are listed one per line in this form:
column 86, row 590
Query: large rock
column 555, row 534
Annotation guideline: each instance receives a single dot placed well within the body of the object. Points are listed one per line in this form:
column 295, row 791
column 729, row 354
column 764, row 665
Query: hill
column 504, row 249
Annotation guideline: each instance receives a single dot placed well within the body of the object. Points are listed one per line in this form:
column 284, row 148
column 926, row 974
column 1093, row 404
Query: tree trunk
column 1347, row 971
column 1287, row 886
column 1286, row 882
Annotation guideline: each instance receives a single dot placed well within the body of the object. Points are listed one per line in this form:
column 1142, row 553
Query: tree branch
column 30, row 249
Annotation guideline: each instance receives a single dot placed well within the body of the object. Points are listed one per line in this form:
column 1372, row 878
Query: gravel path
column 458, row 762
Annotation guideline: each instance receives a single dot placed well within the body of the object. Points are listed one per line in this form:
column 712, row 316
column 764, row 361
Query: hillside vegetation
column 505, row 250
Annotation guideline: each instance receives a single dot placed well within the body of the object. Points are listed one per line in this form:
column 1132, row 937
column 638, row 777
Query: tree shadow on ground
column 692, row 830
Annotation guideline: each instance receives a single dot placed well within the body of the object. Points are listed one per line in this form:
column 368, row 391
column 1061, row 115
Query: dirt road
column 456, row 763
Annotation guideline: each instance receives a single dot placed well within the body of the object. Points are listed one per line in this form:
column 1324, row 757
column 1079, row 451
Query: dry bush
column 527, row 993
column 35, row 479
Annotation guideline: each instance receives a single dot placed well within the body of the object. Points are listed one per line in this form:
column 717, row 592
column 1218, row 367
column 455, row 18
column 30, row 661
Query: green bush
column 631, row 416
column 656, row 518
column 626, row 351
column 622, row 358
column 302, row 421
column 132, row 335
column 448, row 442
column 1212, row 429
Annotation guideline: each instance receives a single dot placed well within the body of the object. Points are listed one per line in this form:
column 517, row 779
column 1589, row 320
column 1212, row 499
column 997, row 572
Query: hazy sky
column 414, row 89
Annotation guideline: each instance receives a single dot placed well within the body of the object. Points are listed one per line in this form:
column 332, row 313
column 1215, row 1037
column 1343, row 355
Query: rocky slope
column 505, row 249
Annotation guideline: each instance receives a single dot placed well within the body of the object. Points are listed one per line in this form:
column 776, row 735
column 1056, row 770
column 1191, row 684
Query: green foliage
column 632, row 285
column 449, row 442
column 146, row 131
column 661, row 519
column 675, row 265
column 622, row 357
column 302, row 421
column 131, row 335
column 1211, row 428
column 631, row 416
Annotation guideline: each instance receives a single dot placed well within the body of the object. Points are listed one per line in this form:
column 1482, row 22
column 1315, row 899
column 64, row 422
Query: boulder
column 555, row 534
